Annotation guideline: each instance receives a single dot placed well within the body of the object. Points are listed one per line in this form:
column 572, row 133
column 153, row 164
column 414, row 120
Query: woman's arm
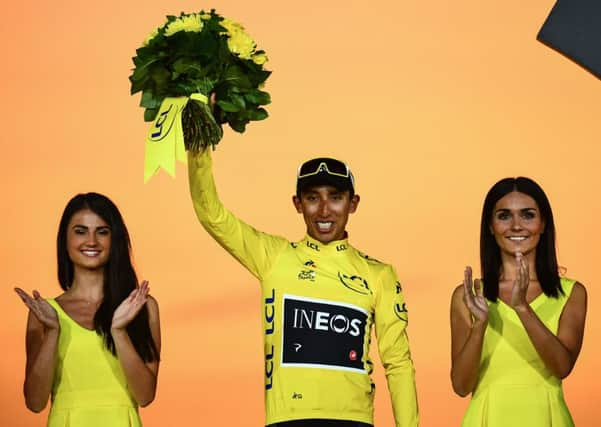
column 559, row 353
column 41, row 343
column 469, row 318
column 141, row 377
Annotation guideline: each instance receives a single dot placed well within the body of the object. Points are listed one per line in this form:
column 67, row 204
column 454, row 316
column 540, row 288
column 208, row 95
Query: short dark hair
column 119, row 275
column 547, row 269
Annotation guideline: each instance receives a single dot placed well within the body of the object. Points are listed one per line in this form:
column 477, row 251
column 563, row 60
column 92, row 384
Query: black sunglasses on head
column 330, row 166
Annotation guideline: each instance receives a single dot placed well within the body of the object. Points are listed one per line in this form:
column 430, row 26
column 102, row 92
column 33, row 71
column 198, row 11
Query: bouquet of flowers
column 190, row 58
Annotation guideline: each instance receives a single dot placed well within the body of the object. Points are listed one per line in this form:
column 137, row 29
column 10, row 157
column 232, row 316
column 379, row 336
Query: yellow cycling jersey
column 320, row 302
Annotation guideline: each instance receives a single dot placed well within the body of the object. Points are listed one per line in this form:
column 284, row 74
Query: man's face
column 325, row 210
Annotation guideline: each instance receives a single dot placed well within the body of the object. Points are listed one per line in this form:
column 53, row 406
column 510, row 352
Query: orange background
column 429, row 102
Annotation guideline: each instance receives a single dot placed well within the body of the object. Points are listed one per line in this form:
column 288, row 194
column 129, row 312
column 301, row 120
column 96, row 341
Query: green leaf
column 238, row 125
column 149, row 101
column 258, row 114
column 186, row 66
column 150, row 114
column 138, row 85
column 203, row 85
column 258, row 97
column 228, row 106
column 205, row 46
column 183, row 88
column 238, row 100
column 234, row 76
column 160, row 75
column 259, row 77
column 142, row 69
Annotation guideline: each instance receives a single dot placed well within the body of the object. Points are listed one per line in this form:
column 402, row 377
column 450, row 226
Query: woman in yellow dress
column 517, row 332
column 94, row 349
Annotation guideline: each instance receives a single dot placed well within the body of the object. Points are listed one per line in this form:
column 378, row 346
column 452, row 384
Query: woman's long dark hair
column 547, row 269
column 119, row 275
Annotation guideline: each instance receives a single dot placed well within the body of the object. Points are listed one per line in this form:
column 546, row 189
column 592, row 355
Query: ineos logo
column 324, row 321
column 323, row 333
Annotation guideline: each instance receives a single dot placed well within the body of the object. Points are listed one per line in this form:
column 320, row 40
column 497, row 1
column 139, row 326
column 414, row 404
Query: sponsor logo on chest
column 308, row 274
column 323, row 334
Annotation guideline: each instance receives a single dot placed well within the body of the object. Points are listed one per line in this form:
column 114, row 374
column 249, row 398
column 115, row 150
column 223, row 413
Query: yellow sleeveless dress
column 515, row 388
column 89, row 389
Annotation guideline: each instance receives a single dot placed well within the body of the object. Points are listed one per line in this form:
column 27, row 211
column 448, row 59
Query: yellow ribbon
column 165, row 139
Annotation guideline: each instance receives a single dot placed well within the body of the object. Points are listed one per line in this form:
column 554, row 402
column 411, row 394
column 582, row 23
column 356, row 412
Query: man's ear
column 354, row 203
column 297, row 203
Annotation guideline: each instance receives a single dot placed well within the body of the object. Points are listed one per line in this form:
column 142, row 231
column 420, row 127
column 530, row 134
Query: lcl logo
column 401, row 311
column 313, row 246
column 269, row 330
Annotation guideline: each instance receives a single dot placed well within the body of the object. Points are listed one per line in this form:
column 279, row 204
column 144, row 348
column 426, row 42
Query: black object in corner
column 573, row 28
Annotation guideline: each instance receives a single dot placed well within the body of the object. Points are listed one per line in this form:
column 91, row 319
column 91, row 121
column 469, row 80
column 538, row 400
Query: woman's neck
column 87, row 285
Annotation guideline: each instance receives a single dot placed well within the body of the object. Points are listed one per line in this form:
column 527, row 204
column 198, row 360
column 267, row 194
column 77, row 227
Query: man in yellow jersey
column 321, row 297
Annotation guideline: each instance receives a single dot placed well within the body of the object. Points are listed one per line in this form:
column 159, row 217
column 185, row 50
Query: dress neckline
column 534, row 302
column 70, row 318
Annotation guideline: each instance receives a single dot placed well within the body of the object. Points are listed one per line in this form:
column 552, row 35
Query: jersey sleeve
column 255, row 250
column 393, row 346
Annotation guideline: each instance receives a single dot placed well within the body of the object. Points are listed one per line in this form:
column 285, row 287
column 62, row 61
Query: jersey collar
column 333, row 248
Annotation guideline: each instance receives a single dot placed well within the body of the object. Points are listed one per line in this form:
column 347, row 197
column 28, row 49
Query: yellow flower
column 190, row 22
column 205, row 16
column 151, row 36
column 238, row 41
column 259, row 58
column 231, row 26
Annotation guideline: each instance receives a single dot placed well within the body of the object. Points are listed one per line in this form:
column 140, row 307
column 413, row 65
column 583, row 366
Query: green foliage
column 201, row 53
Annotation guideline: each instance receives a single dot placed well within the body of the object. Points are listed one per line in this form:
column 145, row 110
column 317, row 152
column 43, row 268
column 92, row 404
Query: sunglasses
column 330, row 166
